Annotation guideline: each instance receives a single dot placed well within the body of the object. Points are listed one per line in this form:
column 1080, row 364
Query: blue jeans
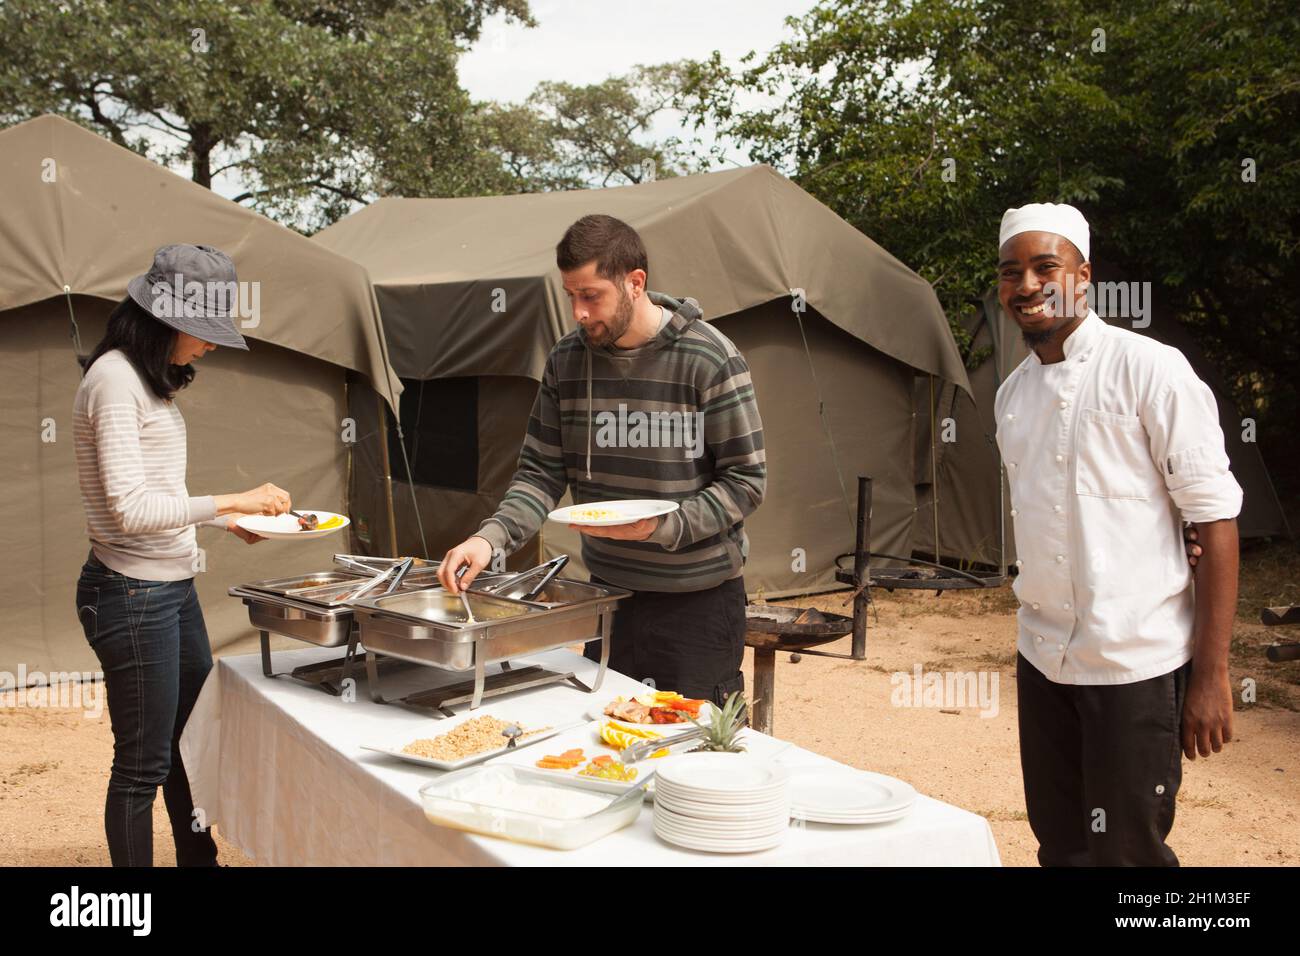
column 152, row 644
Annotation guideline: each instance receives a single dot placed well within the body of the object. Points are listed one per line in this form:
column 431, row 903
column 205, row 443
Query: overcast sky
column 586, row 41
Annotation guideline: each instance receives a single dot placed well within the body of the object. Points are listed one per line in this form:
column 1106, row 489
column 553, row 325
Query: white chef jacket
column 1105, row 452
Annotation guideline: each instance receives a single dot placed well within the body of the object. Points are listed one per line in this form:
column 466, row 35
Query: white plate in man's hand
column 601, row 514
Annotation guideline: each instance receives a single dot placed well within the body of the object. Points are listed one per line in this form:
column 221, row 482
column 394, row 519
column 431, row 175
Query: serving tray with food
column 591, row 757
column 471, row 741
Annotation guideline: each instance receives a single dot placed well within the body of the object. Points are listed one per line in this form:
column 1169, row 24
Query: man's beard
column 1044, row 336
column 618, row 325
column 1035, row 339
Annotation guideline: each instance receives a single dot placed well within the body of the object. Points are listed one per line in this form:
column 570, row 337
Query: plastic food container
column 496, row 801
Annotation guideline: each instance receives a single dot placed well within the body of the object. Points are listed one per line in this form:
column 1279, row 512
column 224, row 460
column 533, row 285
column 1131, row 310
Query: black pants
column 688, row 641
column 1102, row 765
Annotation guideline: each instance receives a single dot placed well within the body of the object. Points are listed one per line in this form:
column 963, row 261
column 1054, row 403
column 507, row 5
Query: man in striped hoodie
column 642, row 400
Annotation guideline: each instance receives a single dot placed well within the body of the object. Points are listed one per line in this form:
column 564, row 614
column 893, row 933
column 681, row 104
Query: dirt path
column 1241, row 807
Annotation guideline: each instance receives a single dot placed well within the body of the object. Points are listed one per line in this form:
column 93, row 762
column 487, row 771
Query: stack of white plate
column 722, row 803
column 841, row 795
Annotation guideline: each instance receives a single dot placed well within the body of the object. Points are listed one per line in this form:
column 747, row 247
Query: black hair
column 614, row 245
column 148, row 343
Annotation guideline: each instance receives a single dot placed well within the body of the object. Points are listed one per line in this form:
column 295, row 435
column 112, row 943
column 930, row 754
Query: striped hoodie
column 592, row 431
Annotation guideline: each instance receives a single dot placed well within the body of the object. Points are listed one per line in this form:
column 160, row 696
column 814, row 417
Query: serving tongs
column 397, row 572
column 372, row 565
column 353, row 562
column 639, row 751
column 549, row 570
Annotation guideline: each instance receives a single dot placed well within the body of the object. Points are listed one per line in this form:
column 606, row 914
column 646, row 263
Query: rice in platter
column 475, row 736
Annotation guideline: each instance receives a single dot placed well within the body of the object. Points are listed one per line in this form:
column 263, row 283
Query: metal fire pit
column 922, row 575
column 429, row 627
column 772, row 628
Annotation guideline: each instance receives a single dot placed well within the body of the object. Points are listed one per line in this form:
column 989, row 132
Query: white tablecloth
column 279, row 766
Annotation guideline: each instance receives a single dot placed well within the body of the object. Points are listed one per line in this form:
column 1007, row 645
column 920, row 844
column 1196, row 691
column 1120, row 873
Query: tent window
column 440, row 424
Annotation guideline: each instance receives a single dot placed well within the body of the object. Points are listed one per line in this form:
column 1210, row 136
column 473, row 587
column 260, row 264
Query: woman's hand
column 248, row 536
column 265, row 499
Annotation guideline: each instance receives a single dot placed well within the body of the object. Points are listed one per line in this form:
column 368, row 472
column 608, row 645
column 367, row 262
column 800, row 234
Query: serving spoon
column 464, row 600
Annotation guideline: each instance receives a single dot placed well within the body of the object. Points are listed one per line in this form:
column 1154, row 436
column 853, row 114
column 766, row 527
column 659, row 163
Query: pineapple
column 720, row 733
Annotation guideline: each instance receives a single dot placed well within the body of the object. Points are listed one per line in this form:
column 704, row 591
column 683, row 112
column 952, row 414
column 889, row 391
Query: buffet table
column 279, row 767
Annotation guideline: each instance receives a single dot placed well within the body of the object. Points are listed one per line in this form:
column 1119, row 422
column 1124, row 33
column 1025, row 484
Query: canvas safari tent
column 834, row 328
column 81, row 217
column 966, row 467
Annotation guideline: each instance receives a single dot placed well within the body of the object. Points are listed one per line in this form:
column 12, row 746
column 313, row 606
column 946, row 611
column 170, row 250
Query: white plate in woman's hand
column 287, row 526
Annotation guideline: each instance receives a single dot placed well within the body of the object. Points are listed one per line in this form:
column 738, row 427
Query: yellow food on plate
column 593, row 514
column 607, row 768
column 622, row 737
column 328, row 523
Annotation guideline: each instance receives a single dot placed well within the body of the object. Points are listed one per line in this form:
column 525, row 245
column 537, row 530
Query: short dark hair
column 614, row 245
column 148, row 343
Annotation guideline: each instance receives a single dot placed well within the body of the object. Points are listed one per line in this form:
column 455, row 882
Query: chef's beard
column 1033, row 339
column 618, row 325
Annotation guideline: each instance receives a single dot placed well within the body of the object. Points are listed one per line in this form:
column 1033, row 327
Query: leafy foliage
column 1142, row 113
column 315, row 105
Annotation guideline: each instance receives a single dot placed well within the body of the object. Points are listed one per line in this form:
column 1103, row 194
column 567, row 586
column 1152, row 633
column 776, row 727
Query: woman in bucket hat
column 135, row 596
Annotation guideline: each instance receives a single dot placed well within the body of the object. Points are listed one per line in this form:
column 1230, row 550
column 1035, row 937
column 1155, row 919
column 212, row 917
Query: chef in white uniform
column 1110, row 442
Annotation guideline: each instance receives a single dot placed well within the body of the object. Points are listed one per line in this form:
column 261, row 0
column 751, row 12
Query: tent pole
column 934, row 476
column 388, row 474
column 862, row 570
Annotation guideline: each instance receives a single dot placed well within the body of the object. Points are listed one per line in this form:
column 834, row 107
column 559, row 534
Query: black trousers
column 688, row 641
column 1102, row 765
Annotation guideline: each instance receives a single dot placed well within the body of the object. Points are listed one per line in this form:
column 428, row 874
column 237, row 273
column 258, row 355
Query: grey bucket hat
column 192, row 289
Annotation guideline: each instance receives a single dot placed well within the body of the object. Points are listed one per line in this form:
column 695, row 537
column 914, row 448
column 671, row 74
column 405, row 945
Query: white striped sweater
column 130, row 447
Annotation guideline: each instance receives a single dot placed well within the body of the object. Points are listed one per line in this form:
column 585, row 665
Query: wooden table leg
column 764, row 689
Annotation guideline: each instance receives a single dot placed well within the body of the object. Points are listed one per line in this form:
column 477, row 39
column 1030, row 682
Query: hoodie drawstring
column 588, row 351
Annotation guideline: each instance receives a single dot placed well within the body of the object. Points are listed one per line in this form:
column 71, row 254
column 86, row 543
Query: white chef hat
column 1058, row 218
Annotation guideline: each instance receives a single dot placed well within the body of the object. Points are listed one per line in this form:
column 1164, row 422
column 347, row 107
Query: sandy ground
column 1240, row 807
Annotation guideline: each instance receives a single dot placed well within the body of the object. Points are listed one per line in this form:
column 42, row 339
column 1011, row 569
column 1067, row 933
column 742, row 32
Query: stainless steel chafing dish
column 421, row 623
column 312, row 608
column 430, row 627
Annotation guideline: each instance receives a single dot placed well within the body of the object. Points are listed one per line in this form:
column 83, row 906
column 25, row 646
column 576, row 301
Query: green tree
column 314, row 105
column 566, row 136
column 921, row 121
